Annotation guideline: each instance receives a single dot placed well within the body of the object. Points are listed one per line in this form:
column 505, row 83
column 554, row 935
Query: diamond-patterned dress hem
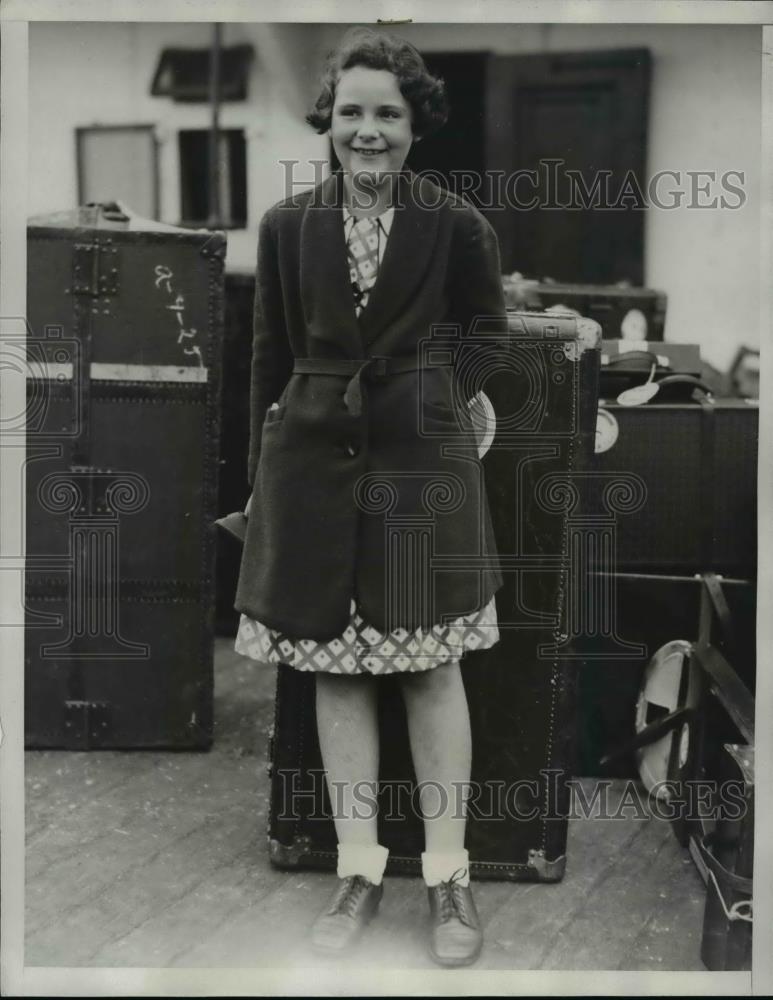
column 363, row 649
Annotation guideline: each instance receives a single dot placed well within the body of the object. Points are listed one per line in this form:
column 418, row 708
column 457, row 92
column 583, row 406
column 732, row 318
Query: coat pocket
column 274, row 414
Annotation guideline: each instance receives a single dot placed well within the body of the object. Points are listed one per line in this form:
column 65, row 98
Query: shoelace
column 453, row 901
column 349, row 895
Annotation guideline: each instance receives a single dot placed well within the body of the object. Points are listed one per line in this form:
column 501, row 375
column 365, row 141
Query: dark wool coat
column 369, row 487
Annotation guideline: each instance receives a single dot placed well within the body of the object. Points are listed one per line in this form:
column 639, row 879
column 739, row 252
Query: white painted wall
column 705, row 115
column 100, row 74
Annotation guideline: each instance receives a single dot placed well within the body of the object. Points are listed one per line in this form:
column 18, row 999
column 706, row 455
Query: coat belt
column 358, row 368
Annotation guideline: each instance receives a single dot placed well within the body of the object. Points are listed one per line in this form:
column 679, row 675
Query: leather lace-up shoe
column 353, row 905
column 456, row 937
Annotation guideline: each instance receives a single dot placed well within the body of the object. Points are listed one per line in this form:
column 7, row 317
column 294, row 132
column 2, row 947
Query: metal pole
column 214, row 220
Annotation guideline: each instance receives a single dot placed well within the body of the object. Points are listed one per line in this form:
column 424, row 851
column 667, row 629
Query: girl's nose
column 367, row 129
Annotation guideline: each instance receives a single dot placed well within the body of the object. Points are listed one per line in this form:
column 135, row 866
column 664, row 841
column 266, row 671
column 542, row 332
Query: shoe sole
column 456, row 963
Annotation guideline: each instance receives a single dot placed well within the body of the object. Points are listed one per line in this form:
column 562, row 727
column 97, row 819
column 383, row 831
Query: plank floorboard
column 161, row 859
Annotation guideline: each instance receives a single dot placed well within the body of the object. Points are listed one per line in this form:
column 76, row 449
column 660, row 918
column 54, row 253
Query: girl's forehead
column 361, row 85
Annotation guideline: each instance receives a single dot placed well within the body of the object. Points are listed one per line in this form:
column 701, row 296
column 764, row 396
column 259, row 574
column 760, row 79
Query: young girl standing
column 354, row 423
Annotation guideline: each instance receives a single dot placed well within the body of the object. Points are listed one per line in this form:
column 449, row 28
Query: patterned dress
column 362, row 648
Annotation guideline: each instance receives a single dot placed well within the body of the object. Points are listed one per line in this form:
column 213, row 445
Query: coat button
column 351, row 450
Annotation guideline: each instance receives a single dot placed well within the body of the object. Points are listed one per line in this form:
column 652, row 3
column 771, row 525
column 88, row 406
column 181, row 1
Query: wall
column 100, row 74
column 705, row 115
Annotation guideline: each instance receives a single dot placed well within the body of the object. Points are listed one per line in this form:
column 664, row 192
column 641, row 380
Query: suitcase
column 608, row 305
column 651, row 610
column 123, row 359
column 522, row 692
column 696, row 464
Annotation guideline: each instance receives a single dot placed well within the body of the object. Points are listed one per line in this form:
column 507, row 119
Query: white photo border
column 18, row 979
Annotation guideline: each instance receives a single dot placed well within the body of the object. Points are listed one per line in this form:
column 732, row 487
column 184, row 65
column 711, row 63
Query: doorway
column 573, row 126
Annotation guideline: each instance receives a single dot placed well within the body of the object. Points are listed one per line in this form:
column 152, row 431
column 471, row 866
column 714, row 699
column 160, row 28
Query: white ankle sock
column 437, row 866
column 368, row 860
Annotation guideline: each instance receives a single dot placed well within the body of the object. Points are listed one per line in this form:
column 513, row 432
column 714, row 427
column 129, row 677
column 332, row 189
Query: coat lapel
column 406, row 257
column 326, row 290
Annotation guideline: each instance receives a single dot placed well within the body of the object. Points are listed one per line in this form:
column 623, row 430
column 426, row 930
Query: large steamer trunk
column 611, row 306
column 697, row 465
column 522, row 692
column 124, row 357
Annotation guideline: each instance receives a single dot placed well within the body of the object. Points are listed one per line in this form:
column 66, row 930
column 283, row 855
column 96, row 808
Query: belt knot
column 353, row 397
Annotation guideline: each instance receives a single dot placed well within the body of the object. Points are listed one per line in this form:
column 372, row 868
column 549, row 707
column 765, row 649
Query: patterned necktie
column 363, row 252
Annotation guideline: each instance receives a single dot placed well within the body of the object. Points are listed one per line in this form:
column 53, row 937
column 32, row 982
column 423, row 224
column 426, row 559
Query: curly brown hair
column 379, row 50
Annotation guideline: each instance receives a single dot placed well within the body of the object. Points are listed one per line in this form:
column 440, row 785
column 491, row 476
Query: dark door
column 455, row 154
column 574, row 120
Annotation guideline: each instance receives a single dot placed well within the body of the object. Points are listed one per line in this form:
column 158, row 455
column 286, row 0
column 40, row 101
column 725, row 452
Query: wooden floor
column 160, row 859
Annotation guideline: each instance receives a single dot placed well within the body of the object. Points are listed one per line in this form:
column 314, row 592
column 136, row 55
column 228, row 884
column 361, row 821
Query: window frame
column 237, row 226
column 82, row 131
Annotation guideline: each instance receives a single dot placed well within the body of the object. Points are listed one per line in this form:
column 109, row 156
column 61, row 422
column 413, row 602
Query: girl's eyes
column 354, row 112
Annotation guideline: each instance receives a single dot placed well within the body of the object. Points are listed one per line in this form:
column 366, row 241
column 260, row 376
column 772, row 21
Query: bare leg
column 439, row 730
column 347, row 725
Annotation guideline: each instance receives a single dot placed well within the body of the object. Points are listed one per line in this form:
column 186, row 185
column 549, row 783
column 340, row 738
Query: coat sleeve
column 476, row 293
column 272, row 358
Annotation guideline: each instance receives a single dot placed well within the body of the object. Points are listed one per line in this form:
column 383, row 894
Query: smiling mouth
column 367, row 152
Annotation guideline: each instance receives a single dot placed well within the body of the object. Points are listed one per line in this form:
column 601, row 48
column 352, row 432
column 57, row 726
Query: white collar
column 385, row 218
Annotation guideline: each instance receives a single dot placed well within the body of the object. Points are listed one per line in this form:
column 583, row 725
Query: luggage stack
column 621, row 310
column 521, row 692
column 695, row 464
column 124, row 357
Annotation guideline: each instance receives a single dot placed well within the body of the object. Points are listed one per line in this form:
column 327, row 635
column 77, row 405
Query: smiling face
column 370, row 125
